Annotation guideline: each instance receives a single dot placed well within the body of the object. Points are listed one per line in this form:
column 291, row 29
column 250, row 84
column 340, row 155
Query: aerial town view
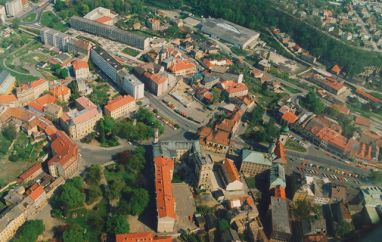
column 191, row 121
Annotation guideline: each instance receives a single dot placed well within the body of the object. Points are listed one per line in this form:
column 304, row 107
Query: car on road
column 327, row 154
column 316, row 148
column 291, row 159
column 249, row 193
column 187, row 125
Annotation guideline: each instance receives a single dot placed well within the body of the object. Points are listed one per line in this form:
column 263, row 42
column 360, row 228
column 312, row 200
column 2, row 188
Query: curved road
column 12, row 54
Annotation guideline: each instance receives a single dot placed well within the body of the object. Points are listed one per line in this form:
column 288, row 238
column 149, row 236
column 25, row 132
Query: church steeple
column 284, row 132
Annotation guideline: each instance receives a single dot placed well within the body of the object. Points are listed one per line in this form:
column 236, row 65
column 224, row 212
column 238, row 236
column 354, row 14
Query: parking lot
column 185, row 206
column 285, row 63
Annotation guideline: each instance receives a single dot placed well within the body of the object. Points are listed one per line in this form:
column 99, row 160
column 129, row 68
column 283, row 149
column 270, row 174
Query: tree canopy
column 343, row 227
column 94, row 175
column 223, row 225
column 30, row 231
column 70, row 196
column 117, row 225
column 313, row 103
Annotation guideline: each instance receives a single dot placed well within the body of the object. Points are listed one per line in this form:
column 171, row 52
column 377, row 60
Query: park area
column 49, row 19
column 30, row 18
column 292, row 145
column 130, row 51
column 33, row 58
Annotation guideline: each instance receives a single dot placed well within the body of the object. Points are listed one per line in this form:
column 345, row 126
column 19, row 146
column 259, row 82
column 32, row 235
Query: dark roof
column 107, row 57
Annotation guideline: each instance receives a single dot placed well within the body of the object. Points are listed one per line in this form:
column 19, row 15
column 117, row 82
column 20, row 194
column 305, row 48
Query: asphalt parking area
column 185, row 206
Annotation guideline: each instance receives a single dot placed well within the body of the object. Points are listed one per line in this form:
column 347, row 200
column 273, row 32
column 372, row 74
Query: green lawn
column 36, row 31
column 103, row 211
column 251, row 182
column 50, row 20
column 292, row 145
column 291, row 89
column 30, row 18
column 33, row 58
column 130, row 51
column 119, row 176
column 238, row 51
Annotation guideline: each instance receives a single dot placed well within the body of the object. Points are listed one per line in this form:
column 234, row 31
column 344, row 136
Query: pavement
column 185, row 206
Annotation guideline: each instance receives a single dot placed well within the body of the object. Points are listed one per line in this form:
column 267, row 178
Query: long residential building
column 134, row 87
column 107, row 64
column 109, row 32
column 119, row 106
column 14, row 7
column 55, row 38
column 230, row 176
column 281, row 229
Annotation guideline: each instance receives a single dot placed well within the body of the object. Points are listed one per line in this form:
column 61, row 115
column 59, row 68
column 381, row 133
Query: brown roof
column 30, row 171
column 119, row 102
column 83, row 44
column 339, row 192
column 226, row 125
column 362, row 121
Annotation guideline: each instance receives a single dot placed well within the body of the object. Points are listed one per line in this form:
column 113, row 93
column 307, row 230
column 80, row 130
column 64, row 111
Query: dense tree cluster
column 312, row 103
column 30, row 231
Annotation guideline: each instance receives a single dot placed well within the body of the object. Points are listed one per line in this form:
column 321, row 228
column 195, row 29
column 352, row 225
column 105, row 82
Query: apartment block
column 159, row 84
column 109, row 32
column 106, row 63
column 203, row 165
column 134, row 87
column 51, row 37
column 29, row 91
column 153, row 24
column 13, row 7
column 2, row 13
column 119, row 106
column 82, row 120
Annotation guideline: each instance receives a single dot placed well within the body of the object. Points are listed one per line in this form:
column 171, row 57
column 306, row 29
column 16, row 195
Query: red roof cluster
column 66, row 150
column 290, row 117
column 367, row 96
column 39, row 103
column 182, row 65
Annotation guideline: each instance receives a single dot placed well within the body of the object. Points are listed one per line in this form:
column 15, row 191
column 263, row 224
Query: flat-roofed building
column 230, row 175
column 134, row 87
column 81, row 120
column 119, row 106
column 54, row 38
column 13, row 7
column 165, row 202
column 203, row 165
column 254, row 162
column 230, row 32
column 281, row 229
column 109, row 32
column 7, row 83
column 104, row 61
column 53, row 112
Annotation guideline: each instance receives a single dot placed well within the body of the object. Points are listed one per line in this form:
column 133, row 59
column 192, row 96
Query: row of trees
column 60, row 72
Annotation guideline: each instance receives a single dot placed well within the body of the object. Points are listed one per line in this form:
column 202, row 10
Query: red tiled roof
column 288, row 116
column 280, row 151
column 37, row 193
column 85, row 103
column 119, row 102
column 30, row 171
column 42, row 101
column 335, row 85
column 237, row 88
column 368, row 96
column 66, row 150
column 8, row 98
column 208, row 96
column 37, row 82
column 331, row 136
column 141, row 237
column 165, row 200
column 60, row 90
column 232, row 170
column 336, row 69
column 183, row 65
column 362, row 121
column 208, row 63
column 343, row 110
column 136, row 25
column 158, row 79
column 370, row 134
column 226, row 125
column 103, row 19
column 80, row 64
column 280, row 192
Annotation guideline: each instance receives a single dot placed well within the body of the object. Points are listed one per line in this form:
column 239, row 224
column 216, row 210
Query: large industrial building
column 230, row 32
column 110, row 32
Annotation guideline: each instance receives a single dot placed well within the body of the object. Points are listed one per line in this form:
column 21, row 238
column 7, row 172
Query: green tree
column 215, row 95
column 2, row 183
column 138, row 201
column 74, row 91
column 313, row 103
column 96, row 222
column 73, row 236
column 101, row 131
column 13, row 158
column 116, row 188
column 343, row 227
column 109, row 123
column 70, row 196
column 269, row 55
column 117, row 225
column 9, row 132
column 30, row 231
column 264, row 87
column 123, row 207
column 91, row 65
column 333, row 111
column 256, row 115
column 77, row 182
column 143, row 115
column 204, row 107
column 223, row 225
column 124, row 157
column 136, row 162
column 64, row 73
column 375, row 176
column 16, row 22
column 140, row 150
column 94, row 193
column 57, row 213
column 94, row 175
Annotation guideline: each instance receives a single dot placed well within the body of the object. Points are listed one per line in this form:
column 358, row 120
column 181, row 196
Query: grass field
column 50, row 20
column 83, row 216
column 30, row 18
column 291, row 145
column 130, row 51
column 251, row 182
column 291, row 89
column 119, row 176
column 33, row 58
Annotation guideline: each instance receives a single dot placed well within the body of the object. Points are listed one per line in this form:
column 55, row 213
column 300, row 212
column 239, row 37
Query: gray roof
column 52, row 108
column 280, row 215
column 228, row 31
column 210, row 78
column 133, row 80
column 203, row 159
column 6, row 81
column 107, row 57
column 313, row 226
column 255, row 157
column 277, row 175
column 167, row 148
column 13, row 212
column 230, row 235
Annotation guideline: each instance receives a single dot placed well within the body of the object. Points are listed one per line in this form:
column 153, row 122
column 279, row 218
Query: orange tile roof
column 82, row 117
column 158, row 79
column 204, row 131
column 227, row 61
column 288, row 116
column 137, row 237
column 226, row 125
column 60, row 90
column 103, row 19
column 8, row 98
column 119, row 102
column 136, row 25
column 331, row 136
column 371, row 135
column 80, row 64
column 165, row 200
column 152, row 20
column 30, row 171
column 208, row 96
column 42, row 101
column 368, row 96
column 66, row 150
column 208, row 63
column 280, row 192
column 280, row 151
column 86, row 103
column 335, row 85
column 37, row 82
column 227, row 83
column 37, row 193
column 237, row 88
column 182, row 65
column 336, row 69
column 246, row 198
column 219, row 137
column 343, row 110
column 232, row 170
column 362, row 121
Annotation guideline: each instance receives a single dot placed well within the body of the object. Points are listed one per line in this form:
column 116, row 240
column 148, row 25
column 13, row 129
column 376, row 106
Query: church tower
column 284, row 132
column 162, row 55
